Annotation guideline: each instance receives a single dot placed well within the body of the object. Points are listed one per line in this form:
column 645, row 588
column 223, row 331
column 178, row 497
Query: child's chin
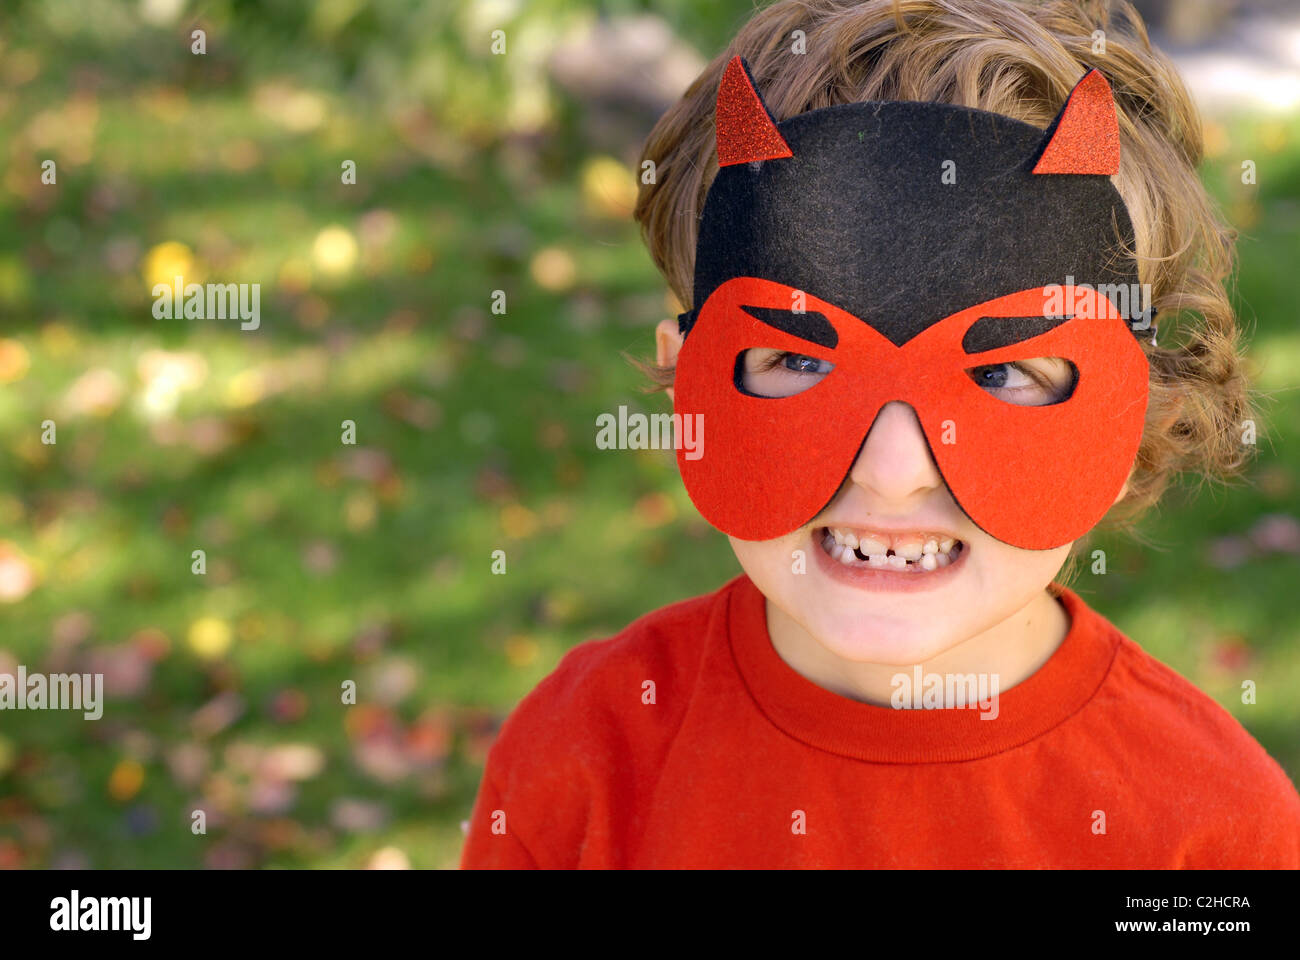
column 884, row 640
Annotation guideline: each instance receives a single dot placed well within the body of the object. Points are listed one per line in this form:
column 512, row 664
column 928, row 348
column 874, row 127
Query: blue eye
column 1017, row 382
column 767, row 372
column 802, row 364
column 993, row 376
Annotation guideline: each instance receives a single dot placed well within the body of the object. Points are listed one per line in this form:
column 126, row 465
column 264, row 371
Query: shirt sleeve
column 491, row 844
column 534, row 804
column 545, row 801
column 1258, row 831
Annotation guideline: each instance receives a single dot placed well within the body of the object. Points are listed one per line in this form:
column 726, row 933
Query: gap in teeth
column 922, row 552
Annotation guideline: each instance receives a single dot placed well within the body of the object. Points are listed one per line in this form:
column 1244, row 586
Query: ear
column 743, row 126
column 1084, row 137
column 668, row 341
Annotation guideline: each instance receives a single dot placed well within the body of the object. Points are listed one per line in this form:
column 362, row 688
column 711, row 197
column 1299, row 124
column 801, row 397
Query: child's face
column 933, row 579
column 895, row 499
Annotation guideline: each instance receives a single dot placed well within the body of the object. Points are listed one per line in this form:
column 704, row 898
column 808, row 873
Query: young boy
column 912, row 229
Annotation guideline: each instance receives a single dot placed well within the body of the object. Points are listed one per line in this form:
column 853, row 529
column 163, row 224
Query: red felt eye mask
column 1032, row 476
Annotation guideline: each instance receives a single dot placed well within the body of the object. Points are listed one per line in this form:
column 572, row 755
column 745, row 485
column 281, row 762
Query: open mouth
column 907, row 553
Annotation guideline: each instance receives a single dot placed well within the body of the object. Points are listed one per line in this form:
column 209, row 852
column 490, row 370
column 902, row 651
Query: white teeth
column 846, row 538
column 909, row 549
column 916, row 555
column 871, row 546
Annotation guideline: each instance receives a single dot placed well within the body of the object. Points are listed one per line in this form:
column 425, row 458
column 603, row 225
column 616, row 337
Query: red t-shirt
column 1103, row 758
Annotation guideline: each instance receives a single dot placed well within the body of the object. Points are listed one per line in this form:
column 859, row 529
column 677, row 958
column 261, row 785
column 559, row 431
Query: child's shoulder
column 1187, row 743
column 1153, row 689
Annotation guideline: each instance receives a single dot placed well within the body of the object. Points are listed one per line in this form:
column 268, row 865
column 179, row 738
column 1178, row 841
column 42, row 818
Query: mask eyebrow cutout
column 989, row 333
column 810, row 325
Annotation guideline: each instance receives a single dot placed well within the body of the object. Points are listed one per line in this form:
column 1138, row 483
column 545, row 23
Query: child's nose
column 895, row 463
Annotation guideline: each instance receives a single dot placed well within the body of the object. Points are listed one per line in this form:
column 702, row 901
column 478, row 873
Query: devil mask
column 905, row 244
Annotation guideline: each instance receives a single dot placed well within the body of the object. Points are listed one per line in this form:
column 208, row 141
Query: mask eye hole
column 1039, row 382
column 765, row 372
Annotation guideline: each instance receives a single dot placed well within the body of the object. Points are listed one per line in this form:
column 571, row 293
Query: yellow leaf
column 126, row 780
column 335, row 251
column 517, row 521
column 553, row 269
column 167, row 261
column 521, row 650
column 609, row 188
column 210, row 638
column 14, row 361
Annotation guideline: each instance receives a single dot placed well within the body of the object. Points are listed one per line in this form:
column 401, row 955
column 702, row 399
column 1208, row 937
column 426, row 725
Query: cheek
column 1012, row 570
column 1006, row 578
column 768, row 562
column 772, row 566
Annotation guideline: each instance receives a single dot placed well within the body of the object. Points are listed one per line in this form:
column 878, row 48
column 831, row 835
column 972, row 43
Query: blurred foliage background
column 474, row 431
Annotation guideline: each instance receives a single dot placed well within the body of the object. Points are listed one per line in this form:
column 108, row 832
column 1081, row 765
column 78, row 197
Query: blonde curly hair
column 1019, row 58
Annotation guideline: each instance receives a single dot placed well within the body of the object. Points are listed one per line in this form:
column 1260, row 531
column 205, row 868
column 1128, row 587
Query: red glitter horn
column 745, row 130
column 1085, row 135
